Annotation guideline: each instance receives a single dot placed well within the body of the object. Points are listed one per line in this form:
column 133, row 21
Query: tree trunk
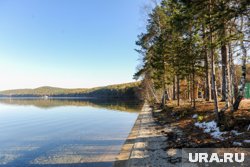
column 165, row 97
column 178, row 91
column 229, row 77
column 163, row 100
column 207, row 70
column 243, row 75
column 224, row 72
column 234, row 80
column 165, row 94
column 214, row 89
column 227, row 73
column 232, row 76
column 193, row 78
column 174, row 91
column 208, row 79
column 189, row 90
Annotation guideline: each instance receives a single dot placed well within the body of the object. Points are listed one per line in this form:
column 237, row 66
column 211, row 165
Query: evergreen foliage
column 191, row 43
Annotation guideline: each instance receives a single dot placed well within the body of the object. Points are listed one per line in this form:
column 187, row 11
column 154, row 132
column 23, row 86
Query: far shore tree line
column 130, row 91
column 196, row 49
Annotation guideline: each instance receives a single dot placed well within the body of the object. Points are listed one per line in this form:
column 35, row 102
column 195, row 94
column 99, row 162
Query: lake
column 50, row 133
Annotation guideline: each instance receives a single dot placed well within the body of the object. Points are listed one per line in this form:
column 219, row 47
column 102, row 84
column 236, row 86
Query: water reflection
column 114, row 104
column 68, row 132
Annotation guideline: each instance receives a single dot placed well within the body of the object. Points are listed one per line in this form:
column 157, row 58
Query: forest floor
column 199, row 128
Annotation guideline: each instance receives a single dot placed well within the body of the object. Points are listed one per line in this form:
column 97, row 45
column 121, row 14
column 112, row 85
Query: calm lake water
column 53, row 133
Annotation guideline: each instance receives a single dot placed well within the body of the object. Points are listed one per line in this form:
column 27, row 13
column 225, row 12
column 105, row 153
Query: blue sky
column 68, row 43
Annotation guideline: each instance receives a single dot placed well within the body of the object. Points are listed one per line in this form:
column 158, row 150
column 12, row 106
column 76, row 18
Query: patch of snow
column 211, row 128
column 246, row 141
column 248, row 128
column 237, row 143
column 195, row 116
column 236, row 133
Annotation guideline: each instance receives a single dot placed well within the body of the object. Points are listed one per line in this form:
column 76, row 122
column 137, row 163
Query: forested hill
column 127, row 90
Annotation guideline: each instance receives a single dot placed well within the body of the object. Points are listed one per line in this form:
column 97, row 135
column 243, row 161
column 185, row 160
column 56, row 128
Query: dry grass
column 245, row 104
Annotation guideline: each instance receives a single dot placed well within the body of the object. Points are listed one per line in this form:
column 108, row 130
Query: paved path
column 146, row 145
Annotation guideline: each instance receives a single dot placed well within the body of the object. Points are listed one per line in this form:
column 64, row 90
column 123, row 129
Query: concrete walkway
column 146, row 146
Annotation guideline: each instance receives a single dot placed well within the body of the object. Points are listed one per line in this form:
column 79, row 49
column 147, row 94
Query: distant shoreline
column 120, row 91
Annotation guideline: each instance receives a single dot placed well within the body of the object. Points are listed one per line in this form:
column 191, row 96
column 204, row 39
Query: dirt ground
column 236, row 126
